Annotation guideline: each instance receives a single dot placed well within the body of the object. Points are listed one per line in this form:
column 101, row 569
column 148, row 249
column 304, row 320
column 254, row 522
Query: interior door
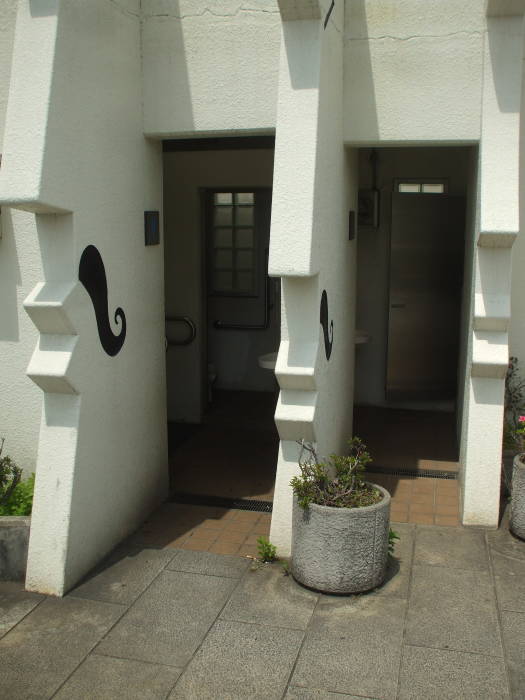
column 426, row 264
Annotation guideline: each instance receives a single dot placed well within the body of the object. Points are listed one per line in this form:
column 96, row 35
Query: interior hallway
column 232, row 454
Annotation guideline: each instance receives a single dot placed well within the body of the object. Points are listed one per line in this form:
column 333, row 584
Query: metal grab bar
column 192, row 330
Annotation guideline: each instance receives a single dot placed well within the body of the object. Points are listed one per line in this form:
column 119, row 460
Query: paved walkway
column 173, row 623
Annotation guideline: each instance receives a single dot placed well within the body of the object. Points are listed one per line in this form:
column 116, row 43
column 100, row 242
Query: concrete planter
column 517, row 500
column 14, row 540
column 341, row 550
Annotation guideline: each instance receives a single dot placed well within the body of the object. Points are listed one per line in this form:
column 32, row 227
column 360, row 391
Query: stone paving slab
column 39, row 654
column 239, row 661
column 509, row 576
column 513, row 625
column 353, row 646
column 456, row 548
column 399, row 567
column 295, row 693
column 106, row 678
column 170, row 620
column 15, row 604
column 209, row 564
column 124, row 577
column 266, row 596
column 435, row 674
column 453, row 609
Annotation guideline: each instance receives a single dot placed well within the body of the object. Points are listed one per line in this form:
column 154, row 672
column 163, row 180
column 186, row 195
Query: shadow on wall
column 360, row 106
column 10, row 279
column 43, row 8
column 506, row 54
column 168, row 107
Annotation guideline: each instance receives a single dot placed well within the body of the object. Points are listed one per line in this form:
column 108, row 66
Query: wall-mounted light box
column 151, row 228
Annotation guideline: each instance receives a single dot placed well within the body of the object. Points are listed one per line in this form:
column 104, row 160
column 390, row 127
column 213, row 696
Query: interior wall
column 373, row 252
column 186, row 173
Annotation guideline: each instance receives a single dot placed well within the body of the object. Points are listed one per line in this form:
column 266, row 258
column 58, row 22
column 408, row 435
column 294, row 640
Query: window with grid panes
column 233, row 244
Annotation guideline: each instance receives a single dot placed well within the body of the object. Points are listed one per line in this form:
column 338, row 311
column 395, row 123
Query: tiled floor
column 407, row 439
column 424, row 501
column 233, row 453
column 204, row 529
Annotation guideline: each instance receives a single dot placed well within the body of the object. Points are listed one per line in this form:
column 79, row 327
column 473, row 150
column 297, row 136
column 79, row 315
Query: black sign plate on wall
column 151, row 228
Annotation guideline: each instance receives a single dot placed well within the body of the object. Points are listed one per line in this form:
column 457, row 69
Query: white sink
column 268, row 361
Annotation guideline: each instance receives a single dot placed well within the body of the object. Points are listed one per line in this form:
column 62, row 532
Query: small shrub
column 337, row 481
column 16, row 496
column 267, row 551
column 392, row 537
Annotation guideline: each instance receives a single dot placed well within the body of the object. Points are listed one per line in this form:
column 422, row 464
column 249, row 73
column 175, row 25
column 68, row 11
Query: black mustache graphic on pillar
column 323, row 318
column 92, row 274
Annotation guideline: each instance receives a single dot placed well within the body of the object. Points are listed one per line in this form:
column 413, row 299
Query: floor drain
column 424, row 473
column 194, row 499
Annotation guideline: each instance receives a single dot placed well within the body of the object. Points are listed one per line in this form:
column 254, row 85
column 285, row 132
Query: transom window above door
column 232, row 244
column 421, row 186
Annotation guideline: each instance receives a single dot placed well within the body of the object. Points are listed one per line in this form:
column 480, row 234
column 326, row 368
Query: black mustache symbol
column 323, row 318
column 92, row 274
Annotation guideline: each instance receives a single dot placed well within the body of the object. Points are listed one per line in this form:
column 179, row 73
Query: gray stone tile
column 453, row 609
column 266, row 596
column 502, row 542
column 399, row 565
column 170, row 620
column 38, row 655
column 509, row 575
column 209, row 564
column 124, row 576
column 15, row 604
column 451, row 547
column 353, row 646
column 435, row 674
column 295, row 693
column 239, row 661
column 514, row 640
column 107, row 678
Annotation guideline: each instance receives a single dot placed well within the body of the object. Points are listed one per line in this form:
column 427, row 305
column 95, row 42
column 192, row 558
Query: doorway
column 221, row 400
column 412, row 302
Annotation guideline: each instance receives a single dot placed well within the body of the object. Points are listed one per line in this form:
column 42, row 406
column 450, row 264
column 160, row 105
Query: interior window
column 232, row 244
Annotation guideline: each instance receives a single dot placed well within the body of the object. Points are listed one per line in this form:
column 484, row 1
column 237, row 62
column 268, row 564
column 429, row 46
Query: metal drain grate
column 424, row 473
column 194, row 499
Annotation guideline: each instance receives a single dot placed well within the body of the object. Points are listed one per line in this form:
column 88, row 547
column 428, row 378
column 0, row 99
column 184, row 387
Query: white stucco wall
column 102, row 455
column 413, row 70
column 20, row 269
column 315, row 185
column 210, row 67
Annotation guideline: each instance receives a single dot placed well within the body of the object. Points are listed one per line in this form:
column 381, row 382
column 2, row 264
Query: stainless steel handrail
column 192, row 328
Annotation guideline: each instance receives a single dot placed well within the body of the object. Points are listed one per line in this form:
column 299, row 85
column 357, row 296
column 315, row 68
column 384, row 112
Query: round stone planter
column 341, row 550
column 517, row 499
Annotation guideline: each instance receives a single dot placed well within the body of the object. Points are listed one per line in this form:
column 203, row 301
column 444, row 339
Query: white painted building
column 96, row 101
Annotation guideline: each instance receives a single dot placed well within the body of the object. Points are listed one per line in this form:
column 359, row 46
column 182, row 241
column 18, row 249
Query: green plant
column 337, row 481
column 10, row 475
column 392, row 537
column 16, row 496
column 267, row 551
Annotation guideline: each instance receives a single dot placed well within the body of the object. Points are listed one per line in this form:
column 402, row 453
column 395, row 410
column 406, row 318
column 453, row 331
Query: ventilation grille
column 415, row 473
column 193, row 499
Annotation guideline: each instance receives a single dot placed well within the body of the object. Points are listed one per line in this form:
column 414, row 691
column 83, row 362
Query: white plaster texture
column 413, row 71
column 102, row 454
column 315, row 184
column 209, row 67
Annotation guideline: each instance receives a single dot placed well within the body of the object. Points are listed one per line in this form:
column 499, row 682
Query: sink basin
column 268, row 361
